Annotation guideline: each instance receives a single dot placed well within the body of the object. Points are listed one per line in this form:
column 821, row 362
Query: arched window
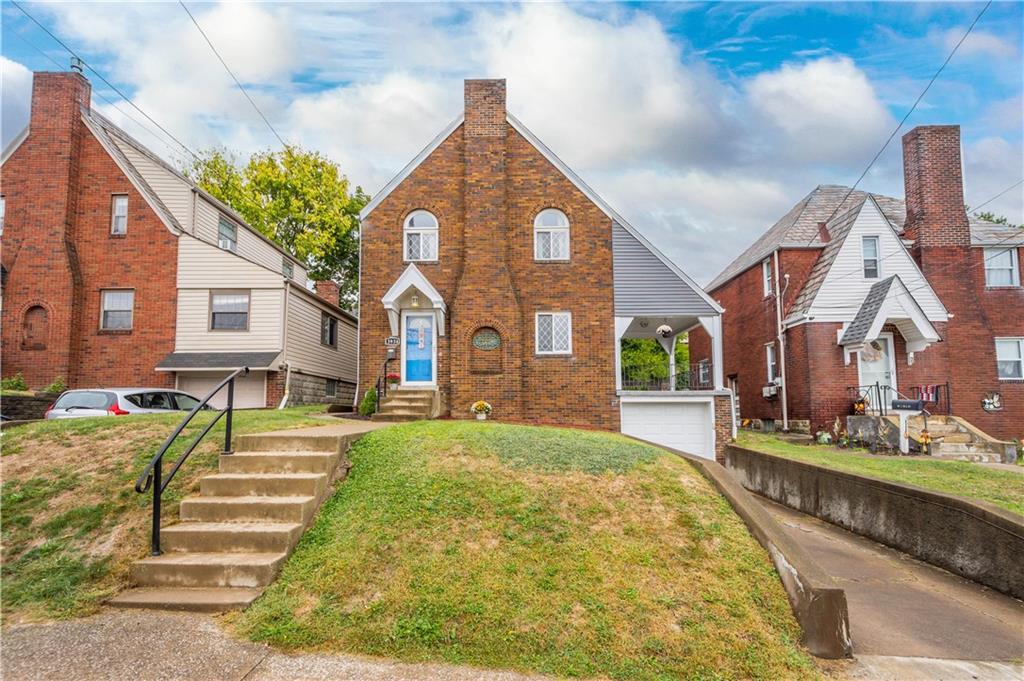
column 35, row 328
column 551, row 235
column 420, row 239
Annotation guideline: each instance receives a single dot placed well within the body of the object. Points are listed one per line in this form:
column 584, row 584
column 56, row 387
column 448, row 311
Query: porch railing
column 877, row 398
column 936, row 397
column 697, row 376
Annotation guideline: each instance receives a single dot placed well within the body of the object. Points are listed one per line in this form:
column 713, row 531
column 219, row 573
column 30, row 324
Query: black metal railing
column 875, row 397
column 697, row 376
column 382, row 383
column 936, row 395
column 152, row 474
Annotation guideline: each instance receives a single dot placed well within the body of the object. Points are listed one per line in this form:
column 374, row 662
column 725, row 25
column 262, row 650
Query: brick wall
column 723, row 426
column 485, row 184
column 59, row 253
column 934, row 186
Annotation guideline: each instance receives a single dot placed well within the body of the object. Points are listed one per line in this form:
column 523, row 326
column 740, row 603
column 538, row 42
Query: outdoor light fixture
column 415, row 300
column 664, row 331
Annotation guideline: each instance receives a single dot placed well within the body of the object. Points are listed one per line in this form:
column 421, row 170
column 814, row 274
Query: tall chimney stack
column 934, row 185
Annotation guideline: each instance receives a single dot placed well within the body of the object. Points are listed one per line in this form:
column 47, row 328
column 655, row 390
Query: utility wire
column 230, row 72
column 1015, row 184
column 99, row 94
column 912, row 108
column 107, row 82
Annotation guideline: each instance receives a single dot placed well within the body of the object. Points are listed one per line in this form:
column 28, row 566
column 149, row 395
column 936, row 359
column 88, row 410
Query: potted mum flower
column 393, row 380
column 481, row 409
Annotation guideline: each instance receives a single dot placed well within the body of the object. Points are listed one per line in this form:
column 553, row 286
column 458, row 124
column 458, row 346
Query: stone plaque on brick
column 486, row 339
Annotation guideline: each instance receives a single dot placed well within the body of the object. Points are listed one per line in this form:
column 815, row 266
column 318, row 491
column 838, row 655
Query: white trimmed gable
column 844, row 288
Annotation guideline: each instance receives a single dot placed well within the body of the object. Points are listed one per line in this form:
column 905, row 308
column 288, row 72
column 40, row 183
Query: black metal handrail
column 698, row 376
column 382, row 383
column 152, row 474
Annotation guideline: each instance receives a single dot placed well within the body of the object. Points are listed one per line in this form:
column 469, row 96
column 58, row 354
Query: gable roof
column 890, row 300
column 799, row 227
column 569, row 174
column 858, row 329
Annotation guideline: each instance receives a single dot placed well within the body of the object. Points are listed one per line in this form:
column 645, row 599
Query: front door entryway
column 877, row 364
column 419, row 349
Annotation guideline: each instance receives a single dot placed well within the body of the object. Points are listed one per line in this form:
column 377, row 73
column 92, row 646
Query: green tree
column 297, row 198
column 989, row 216
column 644, row 360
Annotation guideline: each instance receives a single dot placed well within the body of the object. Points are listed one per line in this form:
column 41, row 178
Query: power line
column 106, row 99
column 230, row 72
column 912, row 108
column 107, row 82
column 1015, row 184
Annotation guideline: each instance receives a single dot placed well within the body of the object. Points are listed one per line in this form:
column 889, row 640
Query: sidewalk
column 153, row 645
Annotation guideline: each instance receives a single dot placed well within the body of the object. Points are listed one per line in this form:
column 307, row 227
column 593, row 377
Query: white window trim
column 3, row 213
column 539, row 229
column 767, row 280
column 771, row 363
column 103, row 309
column 406, row 230
column 1014, row 266
column 536, row 333
column 113, row 214
column 1019, row 360
column 878, row 256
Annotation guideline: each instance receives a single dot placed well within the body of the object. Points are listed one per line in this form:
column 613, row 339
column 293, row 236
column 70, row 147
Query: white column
column 672, row 363
column 621, row 325
column 713, row 326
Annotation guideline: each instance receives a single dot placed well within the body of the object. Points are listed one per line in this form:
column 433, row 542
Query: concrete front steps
column 956, row 439
column 406, row 404
column 235, row 536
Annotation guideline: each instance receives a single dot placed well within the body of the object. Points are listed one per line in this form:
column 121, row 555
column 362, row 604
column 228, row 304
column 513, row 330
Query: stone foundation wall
column 307, row 389
column 25, row 407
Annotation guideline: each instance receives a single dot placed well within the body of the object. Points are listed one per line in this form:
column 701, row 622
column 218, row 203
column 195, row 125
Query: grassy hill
column 558, row 551
column 72, row 524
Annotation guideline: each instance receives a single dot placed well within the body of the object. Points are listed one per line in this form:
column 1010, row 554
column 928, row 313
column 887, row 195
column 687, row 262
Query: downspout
column 284, row 345
column 781, row 336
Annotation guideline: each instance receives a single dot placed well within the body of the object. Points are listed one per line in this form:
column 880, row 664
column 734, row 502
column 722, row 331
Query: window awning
column 888, row 302
column 406, row 293
column 210, row 361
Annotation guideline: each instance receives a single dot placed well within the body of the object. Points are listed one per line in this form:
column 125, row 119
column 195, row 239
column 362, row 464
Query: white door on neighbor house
column 877, row 364
column 419, row 349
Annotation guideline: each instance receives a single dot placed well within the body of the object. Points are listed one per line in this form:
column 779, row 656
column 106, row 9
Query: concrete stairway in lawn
column 954, row 438
column 235, row 536
column 404, row 404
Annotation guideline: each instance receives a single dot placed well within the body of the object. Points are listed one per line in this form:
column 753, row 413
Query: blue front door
column 419, row 349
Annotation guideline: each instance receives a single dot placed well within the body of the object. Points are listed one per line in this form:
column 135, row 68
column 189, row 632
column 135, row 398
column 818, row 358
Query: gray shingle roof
column 857, row 331
column 218, row 360
column 799, row 227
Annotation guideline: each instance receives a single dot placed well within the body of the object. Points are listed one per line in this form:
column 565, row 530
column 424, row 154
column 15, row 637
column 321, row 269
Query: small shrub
column 15, row 382
column 369, row 404
column 59, row 385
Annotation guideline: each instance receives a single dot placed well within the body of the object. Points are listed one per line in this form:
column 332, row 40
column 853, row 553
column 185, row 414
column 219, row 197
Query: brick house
column 912, row 296
column 500, row 275
column 119, row 271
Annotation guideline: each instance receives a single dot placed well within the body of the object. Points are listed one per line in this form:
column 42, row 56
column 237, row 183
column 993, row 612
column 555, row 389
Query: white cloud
column 992, row 164
column 826, row 111
column 16, row 85
column 978, row 43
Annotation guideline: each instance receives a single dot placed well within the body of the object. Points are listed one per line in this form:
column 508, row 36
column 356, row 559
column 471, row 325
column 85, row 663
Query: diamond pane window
column 551, row 235
column 420, row 241
column 554, row 333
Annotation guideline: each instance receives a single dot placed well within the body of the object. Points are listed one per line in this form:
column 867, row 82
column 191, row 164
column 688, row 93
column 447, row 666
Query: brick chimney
column 934, row 185
column 329, row 291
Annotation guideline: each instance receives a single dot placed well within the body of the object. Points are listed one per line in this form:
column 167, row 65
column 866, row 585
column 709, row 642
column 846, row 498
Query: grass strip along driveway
column 72, row 523
column 970, row 480
column 558, row 551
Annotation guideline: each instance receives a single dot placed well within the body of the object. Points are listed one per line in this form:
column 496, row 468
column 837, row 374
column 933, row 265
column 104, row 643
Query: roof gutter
column 781, row 335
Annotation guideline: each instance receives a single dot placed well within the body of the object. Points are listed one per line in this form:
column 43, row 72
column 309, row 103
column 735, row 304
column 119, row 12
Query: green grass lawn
column 72, row 522
column 970, row 480
column 559, row 551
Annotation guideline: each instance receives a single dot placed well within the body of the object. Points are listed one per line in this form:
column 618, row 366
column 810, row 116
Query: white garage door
column 686, row 426
column 250, row 391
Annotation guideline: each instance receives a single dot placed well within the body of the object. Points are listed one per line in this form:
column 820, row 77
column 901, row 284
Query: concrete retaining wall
column 973, row 539
column 817, row 601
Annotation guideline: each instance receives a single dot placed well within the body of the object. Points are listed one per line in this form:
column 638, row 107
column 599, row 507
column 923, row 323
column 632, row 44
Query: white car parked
column 120, row 402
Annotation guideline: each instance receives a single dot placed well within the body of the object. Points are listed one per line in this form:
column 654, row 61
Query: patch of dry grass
column 463, row 542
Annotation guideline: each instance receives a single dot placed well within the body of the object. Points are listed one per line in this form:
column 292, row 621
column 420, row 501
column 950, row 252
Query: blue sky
column 701, row 122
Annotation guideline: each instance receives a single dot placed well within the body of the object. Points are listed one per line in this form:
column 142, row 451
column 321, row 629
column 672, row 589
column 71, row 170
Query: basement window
column 1001, row 267
column 1010, row 358
column 331, row 389
column 869, row 249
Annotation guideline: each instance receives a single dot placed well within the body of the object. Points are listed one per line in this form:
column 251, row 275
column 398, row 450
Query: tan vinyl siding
column 194, row 334
column 173, row 191
column 250, row 246
column 304, row 351
column 203, row 265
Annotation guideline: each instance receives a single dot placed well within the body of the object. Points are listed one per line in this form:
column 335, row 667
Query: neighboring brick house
column 907, row 295
column 503, row 277
column 119, row 271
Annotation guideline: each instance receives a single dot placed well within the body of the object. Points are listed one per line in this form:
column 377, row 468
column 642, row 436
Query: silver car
column 120, row 402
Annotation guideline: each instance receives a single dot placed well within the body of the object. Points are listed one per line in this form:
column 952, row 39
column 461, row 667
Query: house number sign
column 487, row 339
column 392, row 341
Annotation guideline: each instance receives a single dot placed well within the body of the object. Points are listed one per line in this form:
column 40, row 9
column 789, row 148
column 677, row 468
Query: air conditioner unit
column 770, row 391
column 226, row 244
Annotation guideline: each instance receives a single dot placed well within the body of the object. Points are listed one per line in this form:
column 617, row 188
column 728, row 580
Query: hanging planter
column 481, row 409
